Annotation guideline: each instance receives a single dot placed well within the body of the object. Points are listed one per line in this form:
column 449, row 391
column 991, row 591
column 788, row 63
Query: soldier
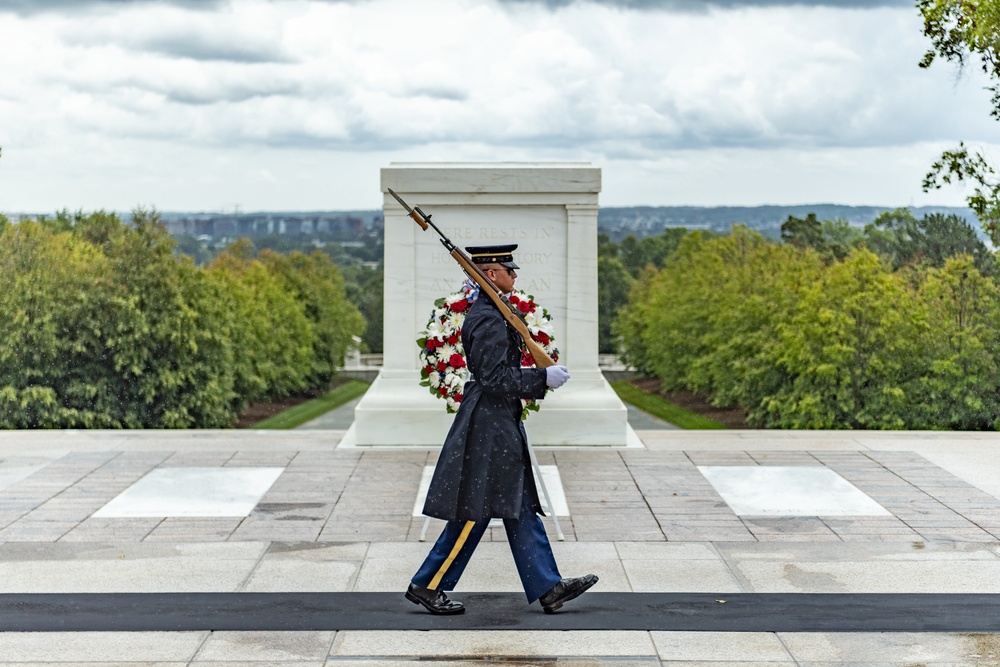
column 484, row 470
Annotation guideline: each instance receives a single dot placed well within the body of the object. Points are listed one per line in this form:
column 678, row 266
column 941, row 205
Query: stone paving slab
column 244, row 647
column 98, row 647
column 899, row 648
column 884, row 567
column 829, row 577
column 645, row 519
column 143, row 567
column 717, row 646
column 493, row 643
column 103, row 663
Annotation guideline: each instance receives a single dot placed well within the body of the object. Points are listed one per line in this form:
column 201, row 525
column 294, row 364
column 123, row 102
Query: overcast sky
column 295, row 105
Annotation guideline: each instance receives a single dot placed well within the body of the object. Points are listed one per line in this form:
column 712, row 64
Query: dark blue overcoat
column 484, row 463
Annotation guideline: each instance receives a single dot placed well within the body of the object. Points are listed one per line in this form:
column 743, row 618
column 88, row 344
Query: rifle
column 506, row 308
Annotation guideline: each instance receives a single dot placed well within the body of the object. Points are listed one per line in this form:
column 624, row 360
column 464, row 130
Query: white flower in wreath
column 538, row 322
column 434, row 328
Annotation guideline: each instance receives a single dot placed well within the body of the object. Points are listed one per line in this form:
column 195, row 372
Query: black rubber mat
column 727, row 612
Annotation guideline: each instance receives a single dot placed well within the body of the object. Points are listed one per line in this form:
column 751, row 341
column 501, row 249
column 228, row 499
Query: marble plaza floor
column 251, row 512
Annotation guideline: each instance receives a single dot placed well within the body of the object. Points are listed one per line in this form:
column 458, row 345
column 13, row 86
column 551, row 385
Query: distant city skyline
column 296, row 105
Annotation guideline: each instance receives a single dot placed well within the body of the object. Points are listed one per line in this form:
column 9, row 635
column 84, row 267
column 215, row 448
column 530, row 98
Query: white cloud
column 197, row 91
column 244, row 32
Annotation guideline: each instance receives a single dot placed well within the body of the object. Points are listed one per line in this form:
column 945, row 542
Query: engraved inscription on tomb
column 539, row 233
column 525, row 238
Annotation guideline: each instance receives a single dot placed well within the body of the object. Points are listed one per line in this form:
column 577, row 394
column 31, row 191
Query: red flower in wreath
column 445, row 371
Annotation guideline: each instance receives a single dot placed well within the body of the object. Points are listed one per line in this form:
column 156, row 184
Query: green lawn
column 304, row 412
column 658, row 407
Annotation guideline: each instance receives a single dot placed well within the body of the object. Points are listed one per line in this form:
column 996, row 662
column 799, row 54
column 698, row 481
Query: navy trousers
column 529, row 545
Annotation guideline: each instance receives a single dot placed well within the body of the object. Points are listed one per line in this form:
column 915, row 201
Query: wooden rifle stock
column 486, row 286
column 537, row 352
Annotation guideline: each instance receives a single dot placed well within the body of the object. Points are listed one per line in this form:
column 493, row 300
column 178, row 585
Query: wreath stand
column 546, row 506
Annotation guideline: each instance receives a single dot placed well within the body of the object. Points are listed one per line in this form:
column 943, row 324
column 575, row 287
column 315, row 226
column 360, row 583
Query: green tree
column 52, row 282
column 632, row 326
column 670, row 310
column 832, row 239
column 613, row 285
column 890, row 236
column 193, row 248
column 709, row 320
column 316, row 283
column 840, row 238
column 799, row 341
column 959, row 387
column 904, row 240
column 964, row 31
column 606, row 247
column 637, row 254
column 760, row 285
column 802, row 232
column 272, row 336
column 675, row 313
column 169, row 355
column 849, row 351
column 364, row 288
column 104, row 328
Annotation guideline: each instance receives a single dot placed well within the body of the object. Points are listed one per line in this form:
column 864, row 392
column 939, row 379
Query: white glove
column 556, row 376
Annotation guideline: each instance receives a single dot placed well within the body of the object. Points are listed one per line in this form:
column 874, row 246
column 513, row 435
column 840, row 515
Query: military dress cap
column 493, row 254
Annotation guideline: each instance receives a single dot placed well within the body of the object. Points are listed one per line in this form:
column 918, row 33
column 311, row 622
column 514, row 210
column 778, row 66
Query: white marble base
column 193, row 492
column 550, row 211
column 550, row 475
column 349, row 441
column 396, row 410
column 789, row 491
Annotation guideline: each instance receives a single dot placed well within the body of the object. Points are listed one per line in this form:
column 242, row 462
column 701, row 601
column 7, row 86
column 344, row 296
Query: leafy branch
column 961, row 30
column 959, row 166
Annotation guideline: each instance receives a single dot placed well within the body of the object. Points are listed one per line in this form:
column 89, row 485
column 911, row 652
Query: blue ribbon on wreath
column 471, row 289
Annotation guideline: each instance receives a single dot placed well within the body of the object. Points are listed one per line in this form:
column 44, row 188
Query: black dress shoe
column 436, row 602
column 566, row 590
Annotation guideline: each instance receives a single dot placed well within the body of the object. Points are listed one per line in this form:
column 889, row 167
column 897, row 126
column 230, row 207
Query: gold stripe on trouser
column 459, row 543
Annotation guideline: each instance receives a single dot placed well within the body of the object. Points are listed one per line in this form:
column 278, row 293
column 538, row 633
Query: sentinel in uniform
column 484, row 470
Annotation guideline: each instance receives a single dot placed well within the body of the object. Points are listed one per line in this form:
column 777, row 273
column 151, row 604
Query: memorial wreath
column 444, row 371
